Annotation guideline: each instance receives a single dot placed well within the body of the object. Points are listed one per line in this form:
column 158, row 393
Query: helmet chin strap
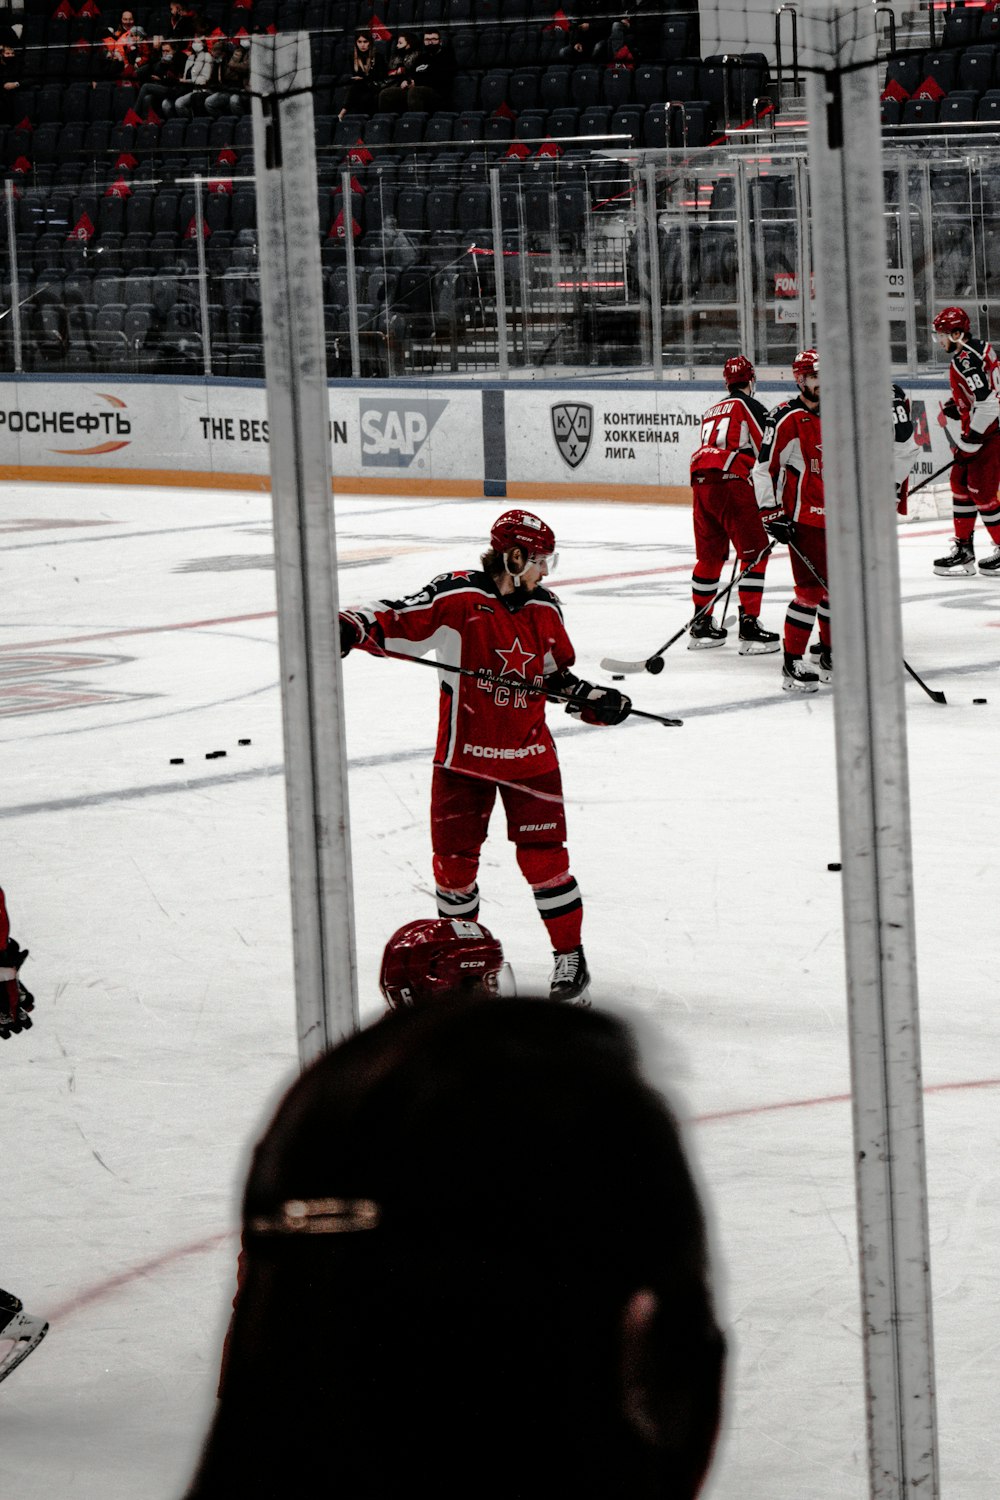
column 517, row 577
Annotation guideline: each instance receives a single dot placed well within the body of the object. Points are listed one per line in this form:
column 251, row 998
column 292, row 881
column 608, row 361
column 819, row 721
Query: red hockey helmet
column 435, row 957
column 805, row 363
column 738, row 370
column 952, row 320
column 519, row 528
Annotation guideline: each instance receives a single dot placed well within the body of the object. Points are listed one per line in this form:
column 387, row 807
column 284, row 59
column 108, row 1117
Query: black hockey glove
column 778, row 526
column 950, row 410
column 15, row 1001
column 597, row 705
column 13, row 956
column 350, row 634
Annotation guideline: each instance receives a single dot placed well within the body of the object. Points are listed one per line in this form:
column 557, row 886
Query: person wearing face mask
column 160, row 81
column 433, row 73
column 402, row 62
column 233, row 94
column 199, row 73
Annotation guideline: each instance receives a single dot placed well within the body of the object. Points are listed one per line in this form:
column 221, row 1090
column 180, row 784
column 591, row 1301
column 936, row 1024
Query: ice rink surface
column 139, row 627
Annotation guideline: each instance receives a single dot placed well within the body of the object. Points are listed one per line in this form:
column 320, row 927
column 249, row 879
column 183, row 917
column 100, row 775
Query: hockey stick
column 935, row 695
column 654, row 663
column 729, row 589
column 931, row 477
column 483, row 675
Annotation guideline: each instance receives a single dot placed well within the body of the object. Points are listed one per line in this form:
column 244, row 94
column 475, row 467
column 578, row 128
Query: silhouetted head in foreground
column 475, row 1261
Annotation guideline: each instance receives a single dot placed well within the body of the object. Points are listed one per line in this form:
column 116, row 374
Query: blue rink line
column 423, row 753
column 360, row 763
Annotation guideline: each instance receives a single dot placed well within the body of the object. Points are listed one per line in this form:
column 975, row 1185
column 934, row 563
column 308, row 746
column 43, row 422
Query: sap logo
column 393, row 432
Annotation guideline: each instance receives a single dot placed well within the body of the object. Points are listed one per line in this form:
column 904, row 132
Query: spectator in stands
column 11, row 77
column 126, row 47
column 433, row 75
column 480, row 1224
column 579, row 44
column 645, row 18
column 160, row 81
column 200, row 76
column 367, row 76
column 233, row 94
column 394, row 245
column 619, row 48
column 178, row 21
column 402, row 61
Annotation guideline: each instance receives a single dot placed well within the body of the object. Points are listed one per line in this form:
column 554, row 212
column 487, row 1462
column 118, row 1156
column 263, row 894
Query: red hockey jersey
column 731, row 433
column 789, row 471
column 974, row 375
column 484, row 726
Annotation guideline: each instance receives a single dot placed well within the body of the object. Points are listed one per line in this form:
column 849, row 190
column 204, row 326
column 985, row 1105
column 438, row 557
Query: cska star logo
column 572, row 428
column 514, row 660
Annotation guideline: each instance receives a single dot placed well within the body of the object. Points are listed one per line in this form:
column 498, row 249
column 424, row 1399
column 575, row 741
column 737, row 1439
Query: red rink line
column 105, row 1289
column 106, row 635
column 102, row 1289
column 749, row 1110
column 271, row 614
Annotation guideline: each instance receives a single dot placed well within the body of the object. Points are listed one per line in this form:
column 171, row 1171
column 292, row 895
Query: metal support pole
column 653, row 262
column 352, row 276
column 744, row 268
column 15, row 279
column 906, row 258
column 305, row 542
column 527, row 320
column 499, row 279
column 803, row 258
column 890, row 1172
column 199, row 228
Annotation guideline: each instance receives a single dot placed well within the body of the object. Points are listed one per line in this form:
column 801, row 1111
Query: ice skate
column 961, row 559
column 570, row 977
column 990, row 566
column 796, row 678
column 704, row 634
column 19, row 1330
column 754, row 639
column 824, row 664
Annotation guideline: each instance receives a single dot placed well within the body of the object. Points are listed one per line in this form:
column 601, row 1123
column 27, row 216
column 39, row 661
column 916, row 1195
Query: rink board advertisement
column 521, row 441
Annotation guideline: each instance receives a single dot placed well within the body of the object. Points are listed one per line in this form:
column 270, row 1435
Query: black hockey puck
column 243, row 742
column 833, row 865
column 214, row 754
column 618, row 677
column 979, row 700
column 177, row 760
column 655, row 665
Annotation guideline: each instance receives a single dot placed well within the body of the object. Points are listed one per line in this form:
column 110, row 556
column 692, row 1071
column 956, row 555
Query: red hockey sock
column 799, row 620
column 560, row 907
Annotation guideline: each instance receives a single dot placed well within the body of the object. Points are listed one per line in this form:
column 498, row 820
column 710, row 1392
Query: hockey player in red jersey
column 16, row 1003
column 437, row 958
column 724, row 509
column 20, row 1332
column 788, row 480
column 500, row 623
column 973, row 416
